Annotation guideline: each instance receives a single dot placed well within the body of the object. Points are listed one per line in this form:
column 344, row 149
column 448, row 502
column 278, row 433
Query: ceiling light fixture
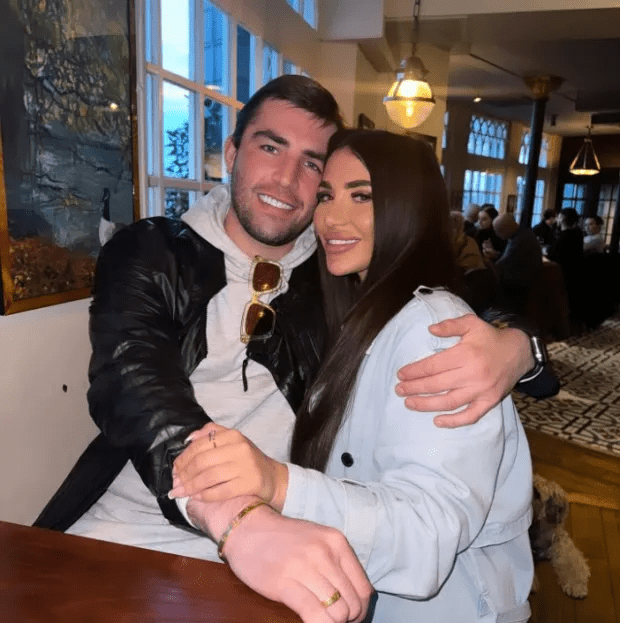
column 586, row 162
column 477, row 99
column 410, row 100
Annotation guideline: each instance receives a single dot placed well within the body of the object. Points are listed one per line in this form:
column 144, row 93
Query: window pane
column 294, row 4
column 288, row 67
column 245, row 73
column 150, row 130
column 175, row 39
column 176, row 202
column 148, row 32
column 216, row 125
column 270, row 63
column 216, row 48
column 176, row 139
column 309, row 12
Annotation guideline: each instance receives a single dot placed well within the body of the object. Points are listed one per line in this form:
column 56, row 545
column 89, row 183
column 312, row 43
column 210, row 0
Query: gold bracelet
column 234, row 523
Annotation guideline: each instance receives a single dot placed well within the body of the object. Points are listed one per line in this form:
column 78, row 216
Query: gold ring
column 332, row 600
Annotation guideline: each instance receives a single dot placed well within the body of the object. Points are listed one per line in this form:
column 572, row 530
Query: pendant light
column 586, row 162
column 410, row 100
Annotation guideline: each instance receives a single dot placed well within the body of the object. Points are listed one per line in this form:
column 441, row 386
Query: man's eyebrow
column 276, row 138
column 280, row 140
column 324, row 184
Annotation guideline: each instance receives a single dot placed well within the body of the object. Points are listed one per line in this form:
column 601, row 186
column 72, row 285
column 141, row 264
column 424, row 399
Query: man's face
column 591, row 227
column 275, row 174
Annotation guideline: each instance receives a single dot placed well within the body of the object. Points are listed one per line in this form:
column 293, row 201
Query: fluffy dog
column 550, row 541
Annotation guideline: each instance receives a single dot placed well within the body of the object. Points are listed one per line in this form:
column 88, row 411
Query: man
column 594, row 241
column 567, row 251
column 520, row 265
column 169, row 301
column 471, row 220
column 546, row 231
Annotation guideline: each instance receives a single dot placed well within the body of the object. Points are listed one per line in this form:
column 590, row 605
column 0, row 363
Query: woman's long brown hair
column 411, row 248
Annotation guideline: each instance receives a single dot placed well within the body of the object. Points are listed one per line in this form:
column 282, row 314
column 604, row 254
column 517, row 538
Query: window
column 539, row 199
column 270, row 63
column 306, row 8
column 288, row 67
column 607, row 205
column 487, row 137
column 524, row 151
column 444, row 138
column 482, row 187
column 574, row 196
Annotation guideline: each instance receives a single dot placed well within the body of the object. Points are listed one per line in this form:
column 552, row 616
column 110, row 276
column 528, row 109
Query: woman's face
column 484, row 220
column 344, row 217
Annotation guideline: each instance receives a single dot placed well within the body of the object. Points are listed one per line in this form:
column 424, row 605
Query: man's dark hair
column 570, row 217
column 301, row 92
column 490, row 209
column 547, row 214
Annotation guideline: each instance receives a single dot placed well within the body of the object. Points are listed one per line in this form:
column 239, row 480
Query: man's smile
column 276, row 203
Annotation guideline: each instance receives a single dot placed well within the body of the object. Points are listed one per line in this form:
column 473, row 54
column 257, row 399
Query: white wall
column 43, row 429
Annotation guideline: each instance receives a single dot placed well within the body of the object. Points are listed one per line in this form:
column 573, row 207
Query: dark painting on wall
column 67, row 123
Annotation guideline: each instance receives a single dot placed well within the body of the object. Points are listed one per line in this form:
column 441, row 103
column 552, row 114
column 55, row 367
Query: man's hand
column 477, row 373
column 221, row 463
column 298, row 563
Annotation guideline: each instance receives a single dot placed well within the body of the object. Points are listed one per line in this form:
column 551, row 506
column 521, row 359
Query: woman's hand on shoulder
column 221, row 463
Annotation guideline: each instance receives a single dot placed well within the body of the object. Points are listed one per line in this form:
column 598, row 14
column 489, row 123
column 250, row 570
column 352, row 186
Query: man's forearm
column 213, row 518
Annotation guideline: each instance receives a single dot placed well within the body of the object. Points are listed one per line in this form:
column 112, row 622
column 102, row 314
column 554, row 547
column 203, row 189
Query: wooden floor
column 592, row 481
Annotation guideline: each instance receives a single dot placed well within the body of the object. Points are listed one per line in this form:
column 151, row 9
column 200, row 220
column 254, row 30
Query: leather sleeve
column 140, row 395
column 546, row 384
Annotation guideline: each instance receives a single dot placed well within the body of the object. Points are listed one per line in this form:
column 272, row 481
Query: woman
column 489, row 243
column 439, row 518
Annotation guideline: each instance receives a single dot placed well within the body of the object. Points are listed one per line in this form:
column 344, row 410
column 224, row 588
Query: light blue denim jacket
column 438, row 517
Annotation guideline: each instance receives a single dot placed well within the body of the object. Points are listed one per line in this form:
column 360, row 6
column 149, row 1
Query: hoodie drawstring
column 244, row 378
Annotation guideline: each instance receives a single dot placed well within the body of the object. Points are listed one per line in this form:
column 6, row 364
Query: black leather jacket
column 153, row 282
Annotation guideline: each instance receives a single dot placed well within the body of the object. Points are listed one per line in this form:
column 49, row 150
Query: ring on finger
column 332, row 600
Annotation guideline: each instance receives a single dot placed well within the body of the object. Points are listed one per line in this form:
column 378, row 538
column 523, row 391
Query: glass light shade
column 410, row 99
column 585, row 162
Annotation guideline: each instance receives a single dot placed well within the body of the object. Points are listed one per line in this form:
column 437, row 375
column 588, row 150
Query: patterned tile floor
column 587, row 409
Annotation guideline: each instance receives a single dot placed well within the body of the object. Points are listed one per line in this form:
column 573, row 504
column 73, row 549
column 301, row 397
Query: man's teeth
column 275, row 202
column 341, row 241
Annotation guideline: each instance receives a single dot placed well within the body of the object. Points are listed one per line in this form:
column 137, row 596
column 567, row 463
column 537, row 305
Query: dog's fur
column 550, row 541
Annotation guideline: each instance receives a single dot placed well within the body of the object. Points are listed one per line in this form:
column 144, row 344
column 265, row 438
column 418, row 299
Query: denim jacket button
column 347, row 459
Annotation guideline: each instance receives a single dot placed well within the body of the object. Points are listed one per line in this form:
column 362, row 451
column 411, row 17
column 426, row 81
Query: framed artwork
column 68, row 127
column 511, row 204
column 364, row 122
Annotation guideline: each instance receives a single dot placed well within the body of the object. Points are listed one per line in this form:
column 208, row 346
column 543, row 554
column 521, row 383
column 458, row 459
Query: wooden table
column 50, row 577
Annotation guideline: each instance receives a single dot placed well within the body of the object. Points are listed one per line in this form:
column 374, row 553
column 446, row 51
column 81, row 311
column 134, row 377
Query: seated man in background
column 471, row 220
column 567, row 251
column 520, row 265
column 546, row 231
column 593, row 241
column 467, row 253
